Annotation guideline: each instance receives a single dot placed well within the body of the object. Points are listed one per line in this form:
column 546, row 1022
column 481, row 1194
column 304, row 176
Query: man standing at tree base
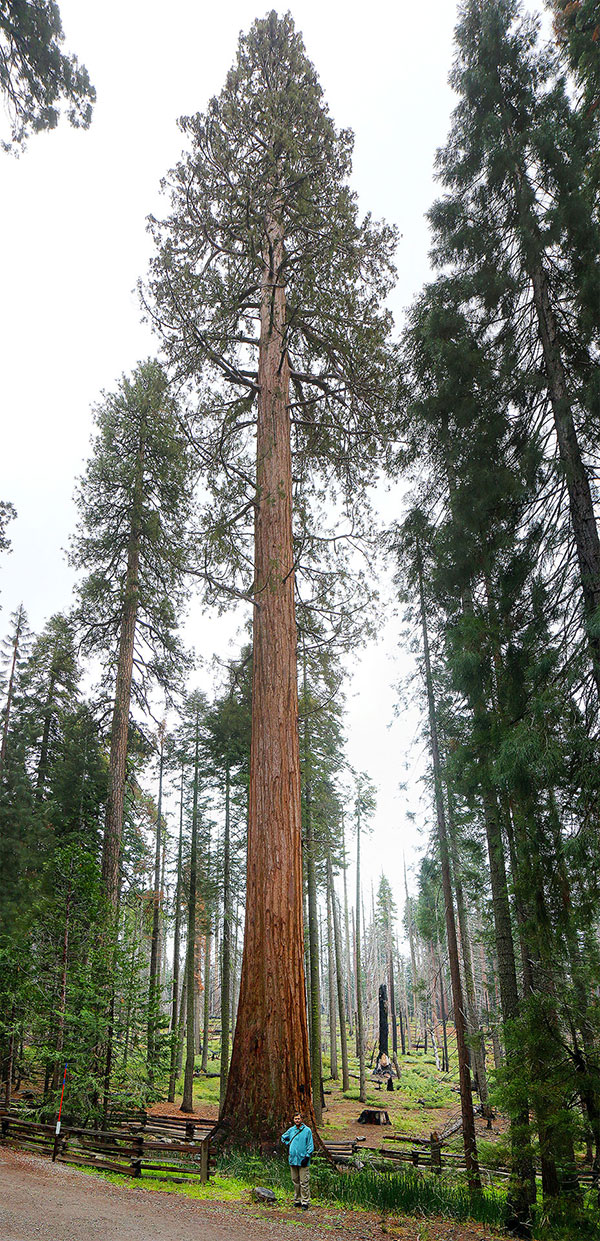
column 299, row 1139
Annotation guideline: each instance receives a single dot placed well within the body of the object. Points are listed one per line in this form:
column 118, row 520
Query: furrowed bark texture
column 269, row 1076
column 314, row 1007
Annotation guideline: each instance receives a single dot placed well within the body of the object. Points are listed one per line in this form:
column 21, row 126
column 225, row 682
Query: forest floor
column 41, row 1201
column 423, row 1101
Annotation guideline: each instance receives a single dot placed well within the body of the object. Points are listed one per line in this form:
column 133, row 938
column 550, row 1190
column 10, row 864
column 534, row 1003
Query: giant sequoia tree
column 266, row 289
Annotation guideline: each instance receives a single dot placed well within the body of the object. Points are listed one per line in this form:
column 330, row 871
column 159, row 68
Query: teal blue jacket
column 300, row 1142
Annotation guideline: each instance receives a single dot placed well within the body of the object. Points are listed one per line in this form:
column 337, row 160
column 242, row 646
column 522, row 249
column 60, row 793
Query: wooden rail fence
column 164, row 1147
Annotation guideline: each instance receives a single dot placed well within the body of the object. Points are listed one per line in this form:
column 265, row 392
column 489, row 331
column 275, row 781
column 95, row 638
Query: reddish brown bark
column 269, row 1076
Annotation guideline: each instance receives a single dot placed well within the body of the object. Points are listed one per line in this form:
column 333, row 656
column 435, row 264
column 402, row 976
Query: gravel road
column 42, row 1201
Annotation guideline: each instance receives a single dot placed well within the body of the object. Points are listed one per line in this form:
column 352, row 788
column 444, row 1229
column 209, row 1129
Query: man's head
column 298, row 1120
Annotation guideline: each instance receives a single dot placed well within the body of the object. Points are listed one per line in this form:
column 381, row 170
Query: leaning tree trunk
column 187, row 1103
column 270, row 1075
column 466, row 1096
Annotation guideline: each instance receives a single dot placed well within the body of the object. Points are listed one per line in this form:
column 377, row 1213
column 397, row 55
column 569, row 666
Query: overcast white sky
column 72, row 222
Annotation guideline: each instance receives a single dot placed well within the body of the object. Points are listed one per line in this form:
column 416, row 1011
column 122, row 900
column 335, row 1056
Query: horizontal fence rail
column 165, row 1147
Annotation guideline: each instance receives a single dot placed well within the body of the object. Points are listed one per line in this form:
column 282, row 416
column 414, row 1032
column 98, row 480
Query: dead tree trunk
column 383, row 1043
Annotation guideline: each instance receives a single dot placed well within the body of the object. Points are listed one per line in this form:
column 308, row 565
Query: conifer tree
column 14, row 650
column 512, row 197
column 132, row 544
column 36, row 77
column 266, row 289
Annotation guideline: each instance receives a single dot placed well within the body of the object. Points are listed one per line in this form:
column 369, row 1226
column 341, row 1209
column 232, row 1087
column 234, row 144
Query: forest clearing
column 232, row 967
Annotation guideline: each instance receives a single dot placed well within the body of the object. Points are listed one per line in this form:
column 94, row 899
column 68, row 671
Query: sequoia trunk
column 269, row 1076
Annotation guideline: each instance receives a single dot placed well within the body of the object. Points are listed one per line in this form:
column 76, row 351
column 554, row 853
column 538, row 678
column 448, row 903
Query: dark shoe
column 305, row 1206
column 297, row 1204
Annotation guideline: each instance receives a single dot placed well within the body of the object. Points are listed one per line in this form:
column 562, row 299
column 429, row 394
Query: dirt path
column 41, row 1201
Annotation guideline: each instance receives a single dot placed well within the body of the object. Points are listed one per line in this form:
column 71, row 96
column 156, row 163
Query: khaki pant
column 300, row 1180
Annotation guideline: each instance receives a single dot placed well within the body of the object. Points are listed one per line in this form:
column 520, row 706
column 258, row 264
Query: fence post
column 136, row 1159
column 204, row 1153
column 436, row 1152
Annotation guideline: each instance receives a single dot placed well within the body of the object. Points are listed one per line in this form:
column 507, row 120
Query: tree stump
column 374, row 1116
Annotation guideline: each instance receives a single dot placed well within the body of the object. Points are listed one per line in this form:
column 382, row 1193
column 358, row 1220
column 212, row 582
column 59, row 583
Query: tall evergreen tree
column 134, row 504
column 518, row 226
column 266, row 287
column 36, row 77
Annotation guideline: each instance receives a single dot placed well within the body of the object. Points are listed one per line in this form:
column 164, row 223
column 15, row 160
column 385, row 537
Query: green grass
column 220, row 1188
column 403, row 1192
column 387, row 1193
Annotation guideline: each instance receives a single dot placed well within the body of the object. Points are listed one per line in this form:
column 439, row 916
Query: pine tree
column 517, row 225
column 134, row 503
column 14, row 650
